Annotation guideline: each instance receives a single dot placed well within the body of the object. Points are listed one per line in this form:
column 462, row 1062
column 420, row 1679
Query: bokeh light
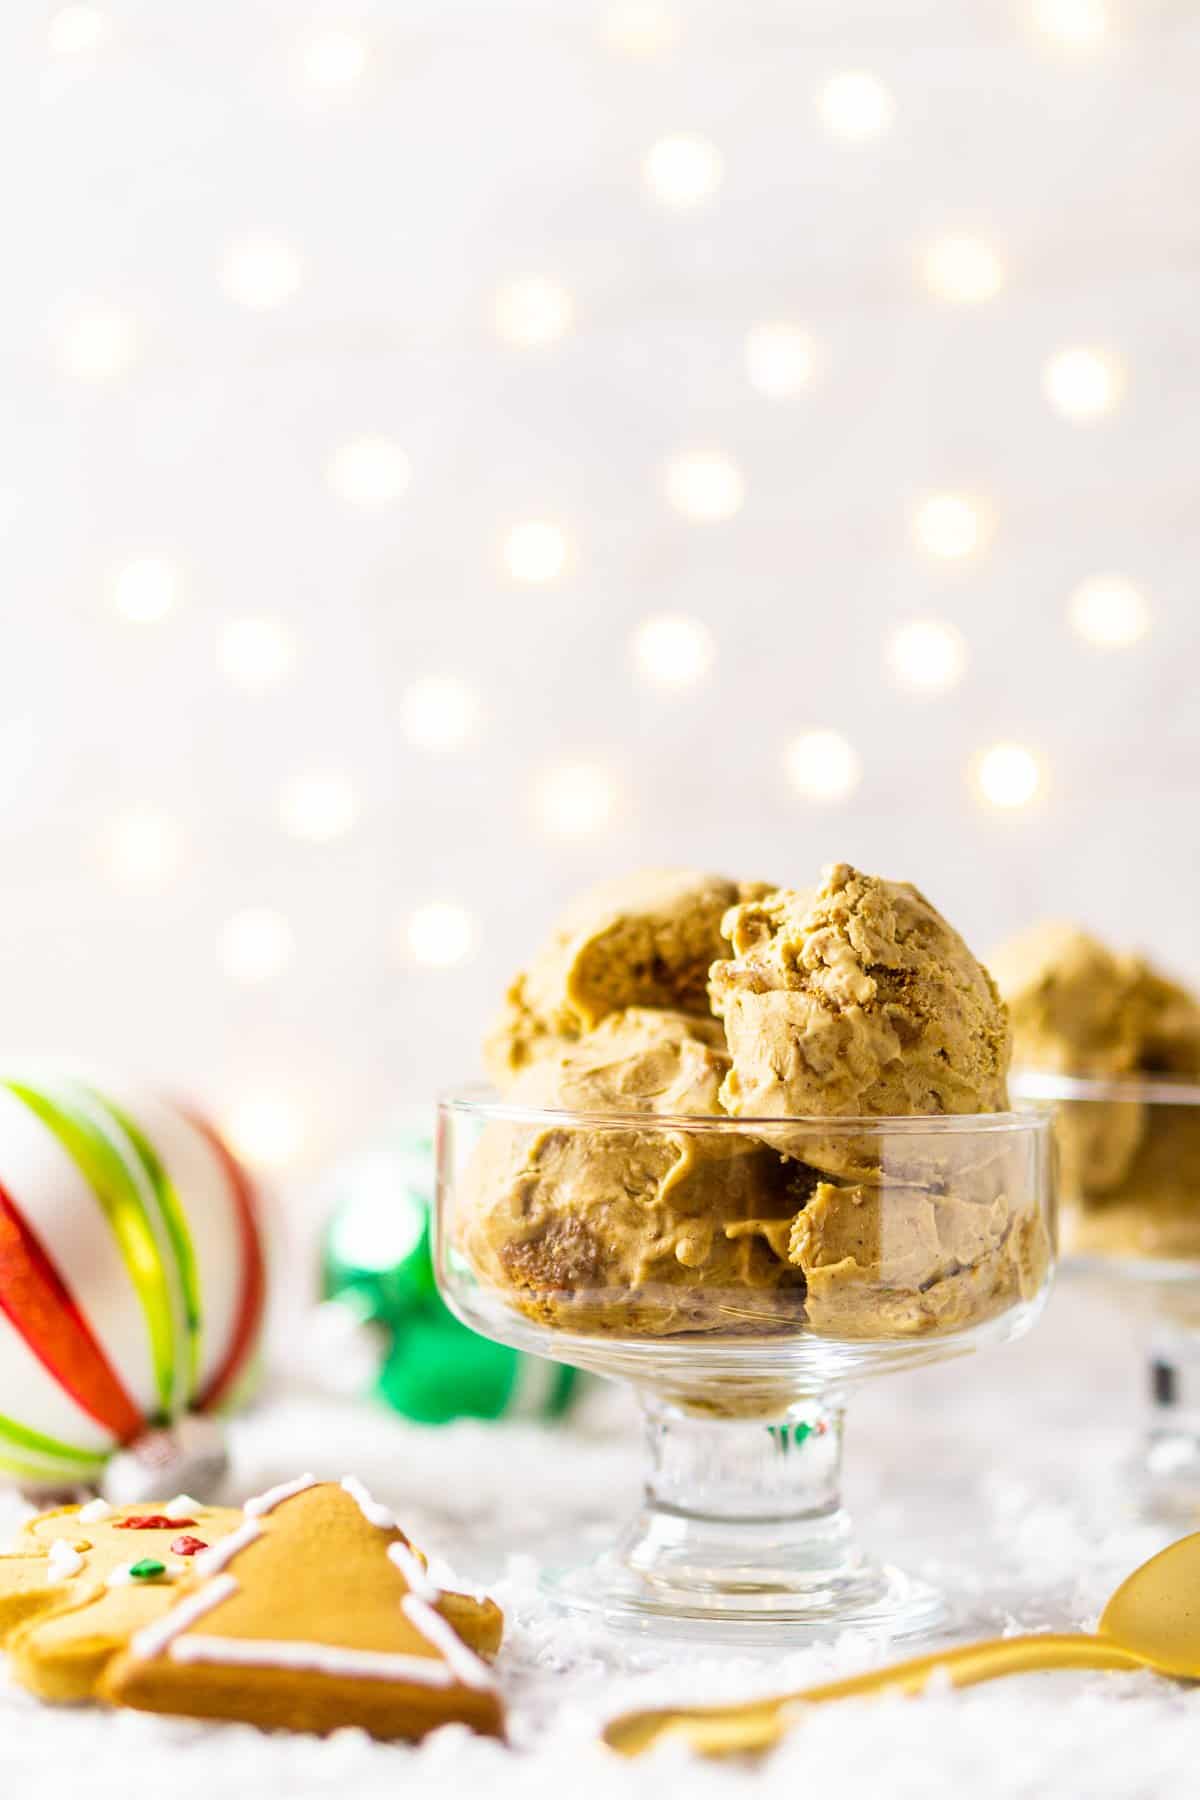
column 438, row 712
column 267, row 1129
column 333, row 60
column 705, row 485
column 261, row 272
column 532, row 311
column 319, row 806
column 256, row 653
column 1083, row 384
column 823, row 765
column 856, row 105
column 671, row 650
column 536, row 551
column 369, row 471
column 143, row 849
column 1076, row 24
column 927, row 655
column 641, row 29
column 78, row 30
column 145, row 589
column 98, row 343
column 950, row 525
column 255, row 945
column 440, row 934
column 964, row 270
column 779, row 359
column 576, row 799
column 1007, row 776
column 682, row 171
column 1109, row 612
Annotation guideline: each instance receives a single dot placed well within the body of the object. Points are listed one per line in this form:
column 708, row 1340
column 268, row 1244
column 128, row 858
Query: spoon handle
column 756, row 1725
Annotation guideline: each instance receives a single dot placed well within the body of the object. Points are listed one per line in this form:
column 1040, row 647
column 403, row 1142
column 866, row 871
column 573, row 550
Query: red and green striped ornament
column 132, row 1273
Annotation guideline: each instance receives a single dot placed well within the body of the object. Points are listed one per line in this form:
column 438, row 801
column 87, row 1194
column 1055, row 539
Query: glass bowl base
column 870, row 1598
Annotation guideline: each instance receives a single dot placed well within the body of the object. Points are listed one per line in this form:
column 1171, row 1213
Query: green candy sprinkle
column 149, row 1569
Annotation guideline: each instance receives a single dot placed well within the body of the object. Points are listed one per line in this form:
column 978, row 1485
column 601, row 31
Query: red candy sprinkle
column 150, row 1522
column 187, row 1546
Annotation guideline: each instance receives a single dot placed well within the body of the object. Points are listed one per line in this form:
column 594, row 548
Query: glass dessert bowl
column 1129, row 1179
column 743, row 1274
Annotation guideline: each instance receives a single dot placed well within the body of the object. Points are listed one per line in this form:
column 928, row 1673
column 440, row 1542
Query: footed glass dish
column 743, row 1275
column 1129, row 1177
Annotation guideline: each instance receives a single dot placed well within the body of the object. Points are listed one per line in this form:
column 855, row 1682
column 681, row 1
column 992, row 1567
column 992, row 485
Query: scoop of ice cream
column 890, row 1261
column 1154, row 1211
column 646, row 940
column 624, row 1228
column 856, row 999
column 1081, row 1008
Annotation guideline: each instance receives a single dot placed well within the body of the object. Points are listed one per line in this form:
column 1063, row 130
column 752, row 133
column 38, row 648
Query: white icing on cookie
column 471, row 1671
column 414, row 1572
column 264, row 1503
column 208, row 1561
column 371, row 1510
column 181, row 1507
column 94, row 1511
column 152, row 1640
column 322, row 1659
column 63, row 1561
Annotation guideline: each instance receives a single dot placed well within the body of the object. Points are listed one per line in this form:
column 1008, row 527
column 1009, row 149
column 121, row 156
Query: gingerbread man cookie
column 83, row 1579
column 315, row 1614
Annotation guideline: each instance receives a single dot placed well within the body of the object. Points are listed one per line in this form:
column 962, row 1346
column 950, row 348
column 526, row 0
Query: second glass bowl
column 743, row 1274
column 1129, row 1161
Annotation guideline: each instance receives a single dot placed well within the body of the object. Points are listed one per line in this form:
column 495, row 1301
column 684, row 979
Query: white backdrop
column 275, row 416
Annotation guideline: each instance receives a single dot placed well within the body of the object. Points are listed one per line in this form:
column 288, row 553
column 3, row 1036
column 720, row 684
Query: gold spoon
column 1151, row 1622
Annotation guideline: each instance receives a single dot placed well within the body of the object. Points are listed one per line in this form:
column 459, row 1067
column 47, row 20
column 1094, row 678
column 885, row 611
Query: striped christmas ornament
column 132, row 1276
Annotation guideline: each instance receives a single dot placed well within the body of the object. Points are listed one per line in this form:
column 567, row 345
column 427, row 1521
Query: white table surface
column 992, row 1474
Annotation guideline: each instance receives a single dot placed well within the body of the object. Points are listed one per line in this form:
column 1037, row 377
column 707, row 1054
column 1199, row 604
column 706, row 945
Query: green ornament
column 377, row 1271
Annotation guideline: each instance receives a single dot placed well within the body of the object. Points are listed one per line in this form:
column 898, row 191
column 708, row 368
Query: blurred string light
column 1076, row 24
column 319, row 806
column 1083, row 383
column 255, row 945
column 261, row 272
column 673, row 651
column 145, row 589
column 950, row 525
column 823, row 765
column 369, row 471
column 705, row 485
column 143, row 849
column 536, row 550
column 641, row 30
column 779, row 359
column 1109, row 612
column 963, row 270
column 438, row 712
column 683, row 171
column 1007, row 776
column 256, row 653
column 98, row 343
column 856, row 105
column 78, row 31
column 927, row 656
column 440, row 934
column 332, row 60
column 532, row 311
column 266, row 1128
column 576, row 799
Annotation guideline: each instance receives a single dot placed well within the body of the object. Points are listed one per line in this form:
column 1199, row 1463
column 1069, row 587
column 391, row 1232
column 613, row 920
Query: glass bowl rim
column 478, row 1100
column 1164, row 1090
